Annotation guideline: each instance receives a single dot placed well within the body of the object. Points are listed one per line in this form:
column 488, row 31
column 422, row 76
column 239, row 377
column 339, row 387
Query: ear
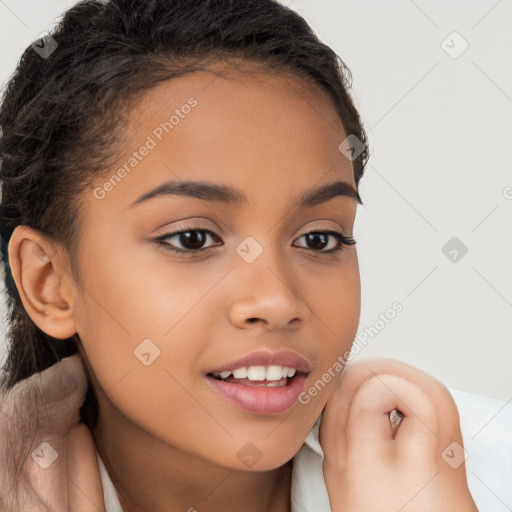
column 44, row 284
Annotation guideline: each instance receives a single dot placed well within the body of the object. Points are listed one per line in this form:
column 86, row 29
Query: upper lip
column 268, row 358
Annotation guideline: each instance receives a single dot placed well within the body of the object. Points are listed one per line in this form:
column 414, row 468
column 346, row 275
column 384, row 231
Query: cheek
column 336, row 303
column 138, row 295
column 141, row 320
column 336, row 293
column 143, row 352
column 131, row 322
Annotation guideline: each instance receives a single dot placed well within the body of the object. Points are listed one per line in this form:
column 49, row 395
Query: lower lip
column 261, row 399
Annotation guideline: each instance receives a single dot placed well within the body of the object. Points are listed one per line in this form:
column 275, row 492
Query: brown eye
column 191, row 240
column 318, row 240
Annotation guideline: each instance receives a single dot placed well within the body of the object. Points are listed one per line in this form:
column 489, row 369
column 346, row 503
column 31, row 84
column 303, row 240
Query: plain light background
column 439, row 121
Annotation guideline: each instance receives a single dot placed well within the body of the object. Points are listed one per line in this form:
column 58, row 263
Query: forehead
column 256, row 130
column 228, row 87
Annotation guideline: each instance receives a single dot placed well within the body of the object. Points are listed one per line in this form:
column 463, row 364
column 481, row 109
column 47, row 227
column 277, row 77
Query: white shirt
column 486, row 426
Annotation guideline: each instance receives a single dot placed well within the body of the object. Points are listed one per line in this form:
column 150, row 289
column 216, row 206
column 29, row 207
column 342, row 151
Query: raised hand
column 417, row 466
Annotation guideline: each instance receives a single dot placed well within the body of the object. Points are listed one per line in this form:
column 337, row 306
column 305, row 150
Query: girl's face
column 154, row 322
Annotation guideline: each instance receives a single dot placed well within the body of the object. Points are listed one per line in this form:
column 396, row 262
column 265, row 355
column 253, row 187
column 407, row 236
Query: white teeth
column 260, row 372
column 240, row 373
column 256, row 373
column 275, row 373
column 273, row 384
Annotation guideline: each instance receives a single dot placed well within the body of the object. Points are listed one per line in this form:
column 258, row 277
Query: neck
column 150, row 475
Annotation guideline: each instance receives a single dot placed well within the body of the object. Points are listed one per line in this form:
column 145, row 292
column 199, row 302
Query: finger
column 332, row 431
column 334, row 422
column 446, row 410
column 85, row 490
column 333, row 426
column 369, row 423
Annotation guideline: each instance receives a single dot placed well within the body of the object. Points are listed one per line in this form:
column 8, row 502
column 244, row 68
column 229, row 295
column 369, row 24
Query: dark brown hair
column 61, row 116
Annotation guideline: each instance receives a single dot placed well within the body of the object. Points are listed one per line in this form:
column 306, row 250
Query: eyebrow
column 229, row 195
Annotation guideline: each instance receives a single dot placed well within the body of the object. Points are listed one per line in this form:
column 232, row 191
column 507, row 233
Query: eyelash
column 161, row 241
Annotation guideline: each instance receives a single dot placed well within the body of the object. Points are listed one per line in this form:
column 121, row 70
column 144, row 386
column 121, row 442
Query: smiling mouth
column 263, row 394
column 276, row 383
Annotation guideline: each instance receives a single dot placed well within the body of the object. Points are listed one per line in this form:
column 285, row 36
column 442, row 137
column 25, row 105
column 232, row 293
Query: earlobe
column 41, row 279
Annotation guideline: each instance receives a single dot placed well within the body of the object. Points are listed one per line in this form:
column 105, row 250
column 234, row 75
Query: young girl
column 179, row 189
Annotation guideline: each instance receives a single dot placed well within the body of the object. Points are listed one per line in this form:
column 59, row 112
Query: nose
column 264, row 292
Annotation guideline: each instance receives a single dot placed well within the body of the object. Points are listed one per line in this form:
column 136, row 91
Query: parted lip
column 267, row 358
